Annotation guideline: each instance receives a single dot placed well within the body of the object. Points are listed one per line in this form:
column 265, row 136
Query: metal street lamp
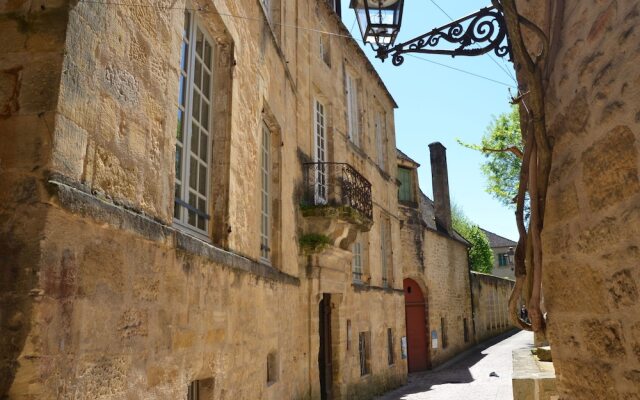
column 380, row 21
column 510, row 255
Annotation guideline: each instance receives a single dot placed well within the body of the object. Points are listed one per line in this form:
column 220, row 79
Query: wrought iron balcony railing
column 337, row 184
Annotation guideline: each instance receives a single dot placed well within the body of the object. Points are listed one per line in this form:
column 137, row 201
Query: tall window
column 390, row 354
column 385, row 252
column 352, row 110
column 320, row 152
column 193, row 144
column 325, row 49
column 380, row 145
column 357, row 262
column 405, row 191
column 364, row 346
column 265, row 195
column 443, row 332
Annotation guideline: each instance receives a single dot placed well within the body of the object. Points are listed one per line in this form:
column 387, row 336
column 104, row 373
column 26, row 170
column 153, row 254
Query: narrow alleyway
column 468, row 376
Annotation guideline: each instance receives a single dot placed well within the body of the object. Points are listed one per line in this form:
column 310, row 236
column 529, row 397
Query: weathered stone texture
column 590, row 236
column 106, row 299
column 490, row 296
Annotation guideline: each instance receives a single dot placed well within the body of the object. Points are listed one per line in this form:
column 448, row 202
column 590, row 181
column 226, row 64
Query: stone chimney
column 440, row 180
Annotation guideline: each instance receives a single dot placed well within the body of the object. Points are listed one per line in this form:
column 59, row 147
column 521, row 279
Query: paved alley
column 468, row 376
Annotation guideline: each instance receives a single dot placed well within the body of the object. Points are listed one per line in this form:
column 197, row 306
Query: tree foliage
column 480, row 253
column 502, row 147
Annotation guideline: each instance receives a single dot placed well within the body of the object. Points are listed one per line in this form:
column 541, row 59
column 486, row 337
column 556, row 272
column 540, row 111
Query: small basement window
column 272, row 368
column 201, row 389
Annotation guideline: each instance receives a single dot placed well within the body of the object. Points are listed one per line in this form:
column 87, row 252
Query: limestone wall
column 125, row 304
column 439, row 264
column 490, row 305
column 592, row 219
column 449, row 300
column 127, row 308
column 31, row 52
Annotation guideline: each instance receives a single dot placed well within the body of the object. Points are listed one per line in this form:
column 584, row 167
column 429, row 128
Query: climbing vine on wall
column 536, row 165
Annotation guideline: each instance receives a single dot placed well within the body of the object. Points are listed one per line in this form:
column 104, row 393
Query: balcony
column 336, row 194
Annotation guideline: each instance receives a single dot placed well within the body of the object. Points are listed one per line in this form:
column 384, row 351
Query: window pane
column 195, row 137
column 187, row 24
column 196, row 106
column 199, row 42
column 207, row 55
column 180, row 129
column 177, row 208
column 202, row 177
column 205, row 115
column 178, row 162
column 206, row 85
column 193, row 173
column 197, row 75
column 204, row 146
column 192, row 214
column 202, row 207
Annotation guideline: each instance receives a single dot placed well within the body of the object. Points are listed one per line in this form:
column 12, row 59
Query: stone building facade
column 435, row 264
column 592, row 218
column 459, row 307
column 503, row 255
column 184, row 189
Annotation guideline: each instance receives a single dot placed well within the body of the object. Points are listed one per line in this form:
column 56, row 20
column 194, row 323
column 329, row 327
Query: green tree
column 480, row 253
column 502, row 146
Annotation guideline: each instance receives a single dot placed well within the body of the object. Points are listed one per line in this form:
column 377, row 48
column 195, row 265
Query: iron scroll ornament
column 485, row 27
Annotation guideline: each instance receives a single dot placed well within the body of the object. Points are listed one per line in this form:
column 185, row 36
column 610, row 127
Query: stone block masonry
column 105, row 294
column 592, row 219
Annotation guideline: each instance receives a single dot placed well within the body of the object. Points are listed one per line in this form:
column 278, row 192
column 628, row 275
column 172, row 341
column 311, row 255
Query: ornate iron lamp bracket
column 486, row 28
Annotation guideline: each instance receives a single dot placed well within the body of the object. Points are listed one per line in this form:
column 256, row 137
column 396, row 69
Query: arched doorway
column 417, row 350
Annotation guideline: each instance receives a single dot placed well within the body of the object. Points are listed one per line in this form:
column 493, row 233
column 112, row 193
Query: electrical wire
column 462, row 70
column 504, row 69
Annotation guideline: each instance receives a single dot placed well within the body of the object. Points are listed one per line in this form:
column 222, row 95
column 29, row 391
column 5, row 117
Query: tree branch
column 513, row 149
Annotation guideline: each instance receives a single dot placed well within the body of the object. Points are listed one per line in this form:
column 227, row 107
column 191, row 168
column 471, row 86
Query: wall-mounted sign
column 403, row 347
column 434, row 339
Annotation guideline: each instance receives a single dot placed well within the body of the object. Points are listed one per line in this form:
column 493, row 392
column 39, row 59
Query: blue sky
column 440, row 104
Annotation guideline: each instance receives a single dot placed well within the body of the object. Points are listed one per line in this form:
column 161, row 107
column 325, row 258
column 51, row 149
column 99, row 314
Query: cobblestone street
column 468, row 376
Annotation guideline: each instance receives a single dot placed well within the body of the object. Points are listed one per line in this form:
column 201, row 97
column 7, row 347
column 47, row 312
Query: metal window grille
column 357, row 262
column 265, row 194
column 337, row 184
column 352, row 110
column 193, row 153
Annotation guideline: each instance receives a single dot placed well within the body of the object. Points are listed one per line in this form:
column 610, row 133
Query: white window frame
column 353, row 123
column 184, row 152
column 320, row 152
column 265, row 195
column 357, row 261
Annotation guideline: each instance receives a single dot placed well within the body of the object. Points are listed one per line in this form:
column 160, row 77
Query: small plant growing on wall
column 314, row 242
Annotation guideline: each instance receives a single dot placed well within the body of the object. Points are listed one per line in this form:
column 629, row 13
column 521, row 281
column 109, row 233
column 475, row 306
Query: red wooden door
column 417, row 351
